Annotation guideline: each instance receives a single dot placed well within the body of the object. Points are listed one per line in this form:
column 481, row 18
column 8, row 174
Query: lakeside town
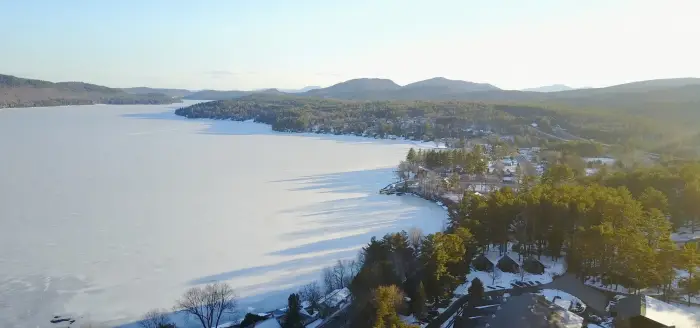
column 515, row 282
column 508, row 279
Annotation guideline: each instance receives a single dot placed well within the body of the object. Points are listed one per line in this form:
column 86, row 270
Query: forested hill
column 671, row 100
column 21, row 92
column 425, row 119
column 177, row 93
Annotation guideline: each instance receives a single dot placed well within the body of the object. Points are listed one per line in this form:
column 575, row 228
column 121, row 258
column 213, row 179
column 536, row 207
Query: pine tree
column 476, row 292
column 418, row 302
column 411, row 156
column 293, row 319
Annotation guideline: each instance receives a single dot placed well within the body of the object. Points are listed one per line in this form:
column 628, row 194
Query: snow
column 503, row 279
column 264, row 226
column 269, row 323
column 315, row 324
column 670, row 315
column 335, row 297
column 563, row 299
column 685, row 234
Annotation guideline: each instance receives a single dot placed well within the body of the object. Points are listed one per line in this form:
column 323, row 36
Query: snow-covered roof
column 315, row 324
column 335, row 297
column 269, row 323
column 668, row 314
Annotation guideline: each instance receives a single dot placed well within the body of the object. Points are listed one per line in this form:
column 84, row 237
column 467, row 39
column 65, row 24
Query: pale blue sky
column 240, row 44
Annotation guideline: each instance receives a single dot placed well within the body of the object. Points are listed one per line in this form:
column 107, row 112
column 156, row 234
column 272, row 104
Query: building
column 532, row 265
column 641, row 311
column 526, row 310
column 507, row 264
column 482, row 263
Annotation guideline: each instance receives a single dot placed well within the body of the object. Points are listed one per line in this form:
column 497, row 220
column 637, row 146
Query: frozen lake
column 109, row 211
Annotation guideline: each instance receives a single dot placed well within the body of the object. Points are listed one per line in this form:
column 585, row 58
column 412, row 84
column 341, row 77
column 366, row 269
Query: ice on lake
column 109, row 211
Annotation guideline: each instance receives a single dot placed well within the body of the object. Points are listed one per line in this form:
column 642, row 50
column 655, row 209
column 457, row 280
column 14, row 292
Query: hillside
column 671, row 100
column 177, row 93
column 217, row 95
column 364, row 88
column 550, row 88
column 438, row 88
column 426, row 120
column 21, row 92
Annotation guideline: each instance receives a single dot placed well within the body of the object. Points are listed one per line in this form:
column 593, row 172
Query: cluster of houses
column 310, row 313
column 508, row 264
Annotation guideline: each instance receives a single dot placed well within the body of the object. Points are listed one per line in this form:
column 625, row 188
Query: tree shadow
column 332, row 230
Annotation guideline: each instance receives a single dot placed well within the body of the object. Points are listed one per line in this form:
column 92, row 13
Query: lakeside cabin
column 507, row 264
column 532, row 265
column 482, row 263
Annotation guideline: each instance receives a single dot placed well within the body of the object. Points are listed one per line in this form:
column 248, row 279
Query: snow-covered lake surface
column 109, row 211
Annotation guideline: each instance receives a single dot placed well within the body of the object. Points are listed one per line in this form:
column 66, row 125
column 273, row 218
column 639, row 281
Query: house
column 525, row 310
column 482, row 263
column 532, row 265
column 334, row 300
column 641, row 311
column 507, row 264
column 268, row 323
column 251, row 320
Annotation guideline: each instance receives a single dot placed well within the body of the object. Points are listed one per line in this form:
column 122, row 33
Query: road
column 595, row 300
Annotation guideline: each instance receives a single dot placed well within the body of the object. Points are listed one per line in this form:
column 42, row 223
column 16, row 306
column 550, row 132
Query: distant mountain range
column 676, row 99
column 550, row 88
column 21, row 92
column 177, row 93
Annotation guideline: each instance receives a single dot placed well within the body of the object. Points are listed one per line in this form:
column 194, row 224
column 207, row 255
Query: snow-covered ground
column 501, row 280
column 113, row 211
column 677, row 315
column 563, row 299
column 685, row 234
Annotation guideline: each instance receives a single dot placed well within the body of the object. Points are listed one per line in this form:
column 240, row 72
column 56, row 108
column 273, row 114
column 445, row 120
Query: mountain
column 365, row 88
column 177, row 93
column 217, row 95
column 21, row 92
column 384, row 89
column 451, row 86
column 550, row 88
column 231, row 94
column 304, row 89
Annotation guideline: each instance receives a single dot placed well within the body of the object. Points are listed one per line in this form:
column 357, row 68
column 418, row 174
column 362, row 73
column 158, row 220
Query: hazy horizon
column 247, row 45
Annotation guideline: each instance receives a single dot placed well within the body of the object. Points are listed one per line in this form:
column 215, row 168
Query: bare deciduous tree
column 156, row 319
column 415, row 237
column 328, row 280
column 311, row 293
column 209, row 303
column 340, row 274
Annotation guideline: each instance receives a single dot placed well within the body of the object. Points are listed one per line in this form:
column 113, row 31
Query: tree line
column 428, row 120
column 615, row 227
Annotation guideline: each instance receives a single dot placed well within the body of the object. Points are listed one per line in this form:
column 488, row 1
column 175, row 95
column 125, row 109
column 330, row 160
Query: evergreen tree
column 411, row 156
column 418, row 302
column 293, row 318
column 476, row 292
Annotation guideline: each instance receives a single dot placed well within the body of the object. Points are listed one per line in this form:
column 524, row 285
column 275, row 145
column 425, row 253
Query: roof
column 335, row 297
column 507, row 260
column 269, row 323
column 657, row 311
column 532, row 309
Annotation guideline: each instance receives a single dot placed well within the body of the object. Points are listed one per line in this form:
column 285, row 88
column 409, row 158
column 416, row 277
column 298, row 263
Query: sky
column 244, row 45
